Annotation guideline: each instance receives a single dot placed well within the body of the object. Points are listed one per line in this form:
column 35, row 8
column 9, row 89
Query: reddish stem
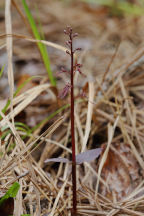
column 73, row 133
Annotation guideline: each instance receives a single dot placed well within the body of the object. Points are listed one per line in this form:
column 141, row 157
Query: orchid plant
column 69, row 87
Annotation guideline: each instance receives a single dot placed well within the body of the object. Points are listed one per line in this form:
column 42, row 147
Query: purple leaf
column 63, row 160
column 80, row 158
column 88, row 156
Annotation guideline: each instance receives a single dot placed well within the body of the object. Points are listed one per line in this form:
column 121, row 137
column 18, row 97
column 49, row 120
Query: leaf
column 63, row 160
column 11, row 193
column 88, row 156
column 7, row 201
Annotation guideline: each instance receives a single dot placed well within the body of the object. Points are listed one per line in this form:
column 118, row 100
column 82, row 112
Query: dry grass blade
column 47, row 133
column 131, row 117
column 131, row 212
column 134, row 150
column 8, row 24
column 27, row 97
column 42, row 87
column 137, row 190
column 78, row 124
column 91, row 212
column 15, row 133
column 2, row 46
column 89, row 115
column 18, row 203
column 60, row 193
column 113, row 212
column 96, row 174
column 14, row 160
column 111, row 185
column 47, row 43
column 55, row 143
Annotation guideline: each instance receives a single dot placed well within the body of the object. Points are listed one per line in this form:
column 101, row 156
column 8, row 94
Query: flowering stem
column 74, row 67
column 73, row 133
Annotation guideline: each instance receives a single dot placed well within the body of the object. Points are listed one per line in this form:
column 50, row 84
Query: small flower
column 68, row 30
column 63, row 70
column 77, row 68
column 78, row 65
column 67, row 52
column 77, row 49
column 65, row 31
column 75, row 35
column 68, row 43
column 65, row 91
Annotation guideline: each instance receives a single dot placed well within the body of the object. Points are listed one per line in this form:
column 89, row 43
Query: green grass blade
column 30, row 131
column 101, row 2
column 26, row 215
column 40, row 28
column 41, row 46
column 125, row 7
column 1, row 71
column 129, row 8
column 24, row 83
column 4, row 134
column 24, row 126
column 5, row 107
column 50, row 117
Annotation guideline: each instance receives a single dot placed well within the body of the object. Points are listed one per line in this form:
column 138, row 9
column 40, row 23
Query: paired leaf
column 58, row 160
column 87, row 156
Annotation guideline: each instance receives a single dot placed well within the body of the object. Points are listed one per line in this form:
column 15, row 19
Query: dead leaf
column 120, row 171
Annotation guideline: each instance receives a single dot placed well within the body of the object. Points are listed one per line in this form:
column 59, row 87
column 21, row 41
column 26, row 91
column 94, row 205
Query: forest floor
column 35, row 122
